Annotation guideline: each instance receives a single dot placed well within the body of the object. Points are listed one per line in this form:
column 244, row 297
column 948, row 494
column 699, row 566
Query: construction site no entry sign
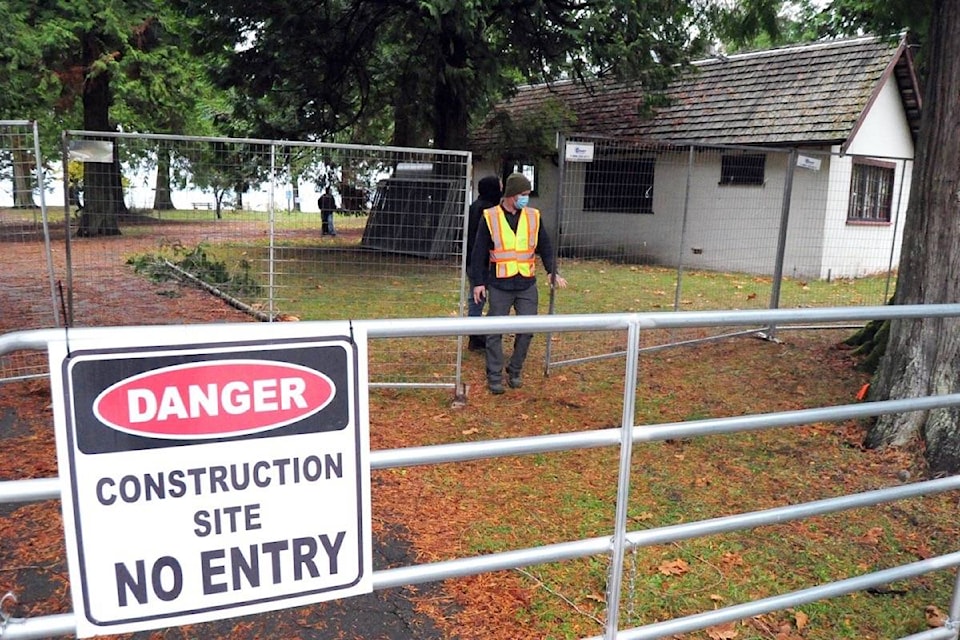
column 207, row 479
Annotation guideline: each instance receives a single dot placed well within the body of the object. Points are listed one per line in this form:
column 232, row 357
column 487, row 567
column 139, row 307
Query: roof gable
column 813, row 93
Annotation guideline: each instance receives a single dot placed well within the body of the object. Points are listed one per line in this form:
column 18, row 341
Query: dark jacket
column 327, row 203
column 482, row 271
column 488, row 195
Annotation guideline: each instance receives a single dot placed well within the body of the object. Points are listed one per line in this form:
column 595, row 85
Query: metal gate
column 621, row 540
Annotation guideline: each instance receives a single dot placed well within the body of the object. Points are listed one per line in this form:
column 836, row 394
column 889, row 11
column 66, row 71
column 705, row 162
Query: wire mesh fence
column 242, row 219
column 693, row 227
column 718, row 227
column 28, row 288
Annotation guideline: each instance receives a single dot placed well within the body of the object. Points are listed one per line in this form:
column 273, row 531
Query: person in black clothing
column 488, row 195
column 503, row 269
column 328, row 205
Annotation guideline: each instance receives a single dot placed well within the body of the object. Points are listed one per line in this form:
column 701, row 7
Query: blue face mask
column 522, row 201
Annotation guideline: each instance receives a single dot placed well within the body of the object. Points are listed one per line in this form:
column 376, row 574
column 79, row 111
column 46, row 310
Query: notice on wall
column 208, row 480
column 806, row 162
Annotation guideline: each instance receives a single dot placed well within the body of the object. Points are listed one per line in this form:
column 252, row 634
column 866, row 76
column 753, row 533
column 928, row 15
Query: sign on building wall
column 209, row 480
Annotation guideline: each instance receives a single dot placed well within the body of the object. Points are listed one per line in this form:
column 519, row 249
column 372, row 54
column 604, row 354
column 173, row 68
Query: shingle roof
column 802, row 94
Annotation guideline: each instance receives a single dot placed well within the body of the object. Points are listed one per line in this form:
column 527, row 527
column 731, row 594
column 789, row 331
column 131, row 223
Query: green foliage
column 883, row 17
column 239, row 283
column 763, row 24
column 336, row 66
column 531, row 133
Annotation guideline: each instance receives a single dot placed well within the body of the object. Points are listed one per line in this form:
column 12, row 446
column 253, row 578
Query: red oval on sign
column 214, row 399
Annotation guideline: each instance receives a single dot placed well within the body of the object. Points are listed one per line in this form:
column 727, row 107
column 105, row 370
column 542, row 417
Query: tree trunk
column 23, row 165
column 451, row 117
column 162, row 200
column 239, row 188
column 102, row 190
column 409, row 115
column 923, row 356
column 295, row 177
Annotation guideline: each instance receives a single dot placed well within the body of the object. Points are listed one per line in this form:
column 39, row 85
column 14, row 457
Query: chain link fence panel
column 721, row 227
column 29, row 281
column 242, row 220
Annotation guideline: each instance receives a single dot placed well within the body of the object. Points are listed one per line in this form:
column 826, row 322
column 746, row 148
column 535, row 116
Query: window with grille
column 743, row 169
column 619, row 185
column 871, row 191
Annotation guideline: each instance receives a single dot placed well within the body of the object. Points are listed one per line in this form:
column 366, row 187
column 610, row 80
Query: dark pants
column 524, row 302
column 475, row 310
column 326, row 224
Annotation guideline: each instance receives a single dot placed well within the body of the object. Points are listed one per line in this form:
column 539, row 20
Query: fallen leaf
column 676, row 567
column 470, row 432
column 730, row 560
column 872, row 536
column 800, row 619
column 935, row 617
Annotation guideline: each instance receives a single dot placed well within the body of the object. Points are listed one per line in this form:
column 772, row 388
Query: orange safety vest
column 513, row 251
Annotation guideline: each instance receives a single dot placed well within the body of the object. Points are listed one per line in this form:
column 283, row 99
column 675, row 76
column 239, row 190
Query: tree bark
column 23, row 165
column 102, row 190
column 162, row 199
column 451, row 90
column 923, row 356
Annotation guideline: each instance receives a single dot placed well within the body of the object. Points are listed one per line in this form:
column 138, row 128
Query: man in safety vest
column 503, row 266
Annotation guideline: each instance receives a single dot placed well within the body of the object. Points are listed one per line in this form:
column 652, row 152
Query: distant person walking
column 327, row 204
column 503, row 270
column 488, row 195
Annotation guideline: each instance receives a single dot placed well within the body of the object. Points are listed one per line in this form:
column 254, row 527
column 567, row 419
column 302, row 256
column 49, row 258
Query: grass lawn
column 512, row 503
column 453, row 511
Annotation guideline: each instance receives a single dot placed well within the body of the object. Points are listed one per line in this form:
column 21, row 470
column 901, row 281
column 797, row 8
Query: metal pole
column 561, row 175
column 782, row 238
column 893, row 239
column 623, row 485
column 41, row 187
column 683, row 233
column 272, row 210
column 68, row 257
column 464, row 282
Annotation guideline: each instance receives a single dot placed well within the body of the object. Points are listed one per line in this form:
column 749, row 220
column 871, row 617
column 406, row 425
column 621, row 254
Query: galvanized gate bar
column 615, row 546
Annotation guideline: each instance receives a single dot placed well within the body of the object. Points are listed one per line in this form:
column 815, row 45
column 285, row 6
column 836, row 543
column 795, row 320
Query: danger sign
column 212, row 480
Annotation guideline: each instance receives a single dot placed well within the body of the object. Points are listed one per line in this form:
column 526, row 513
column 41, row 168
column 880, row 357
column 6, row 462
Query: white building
column 703, row 180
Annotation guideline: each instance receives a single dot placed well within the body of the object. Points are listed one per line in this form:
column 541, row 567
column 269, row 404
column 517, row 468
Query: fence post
column 782, row 238
column 623, row 484
column 683, row 231
column 893, row 239
column 41, row 189
column 67, row 250
column 557, row 237
column 272, row 212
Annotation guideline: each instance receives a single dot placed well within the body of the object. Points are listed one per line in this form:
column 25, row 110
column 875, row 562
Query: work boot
column 514, row 380
column 496, row 387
